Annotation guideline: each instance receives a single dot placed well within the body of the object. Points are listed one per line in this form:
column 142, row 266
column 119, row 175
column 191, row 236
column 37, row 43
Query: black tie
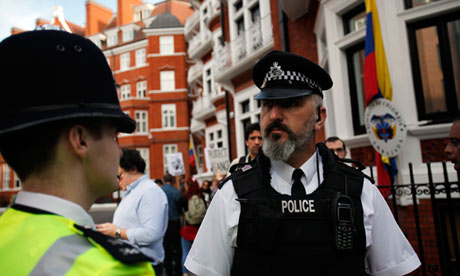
column 297, row 188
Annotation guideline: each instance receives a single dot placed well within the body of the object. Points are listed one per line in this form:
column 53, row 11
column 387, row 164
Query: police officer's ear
column 77, row 137
column 321, row 115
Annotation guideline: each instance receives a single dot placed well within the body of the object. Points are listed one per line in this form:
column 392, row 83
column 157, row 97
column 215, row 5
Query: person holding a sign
column 296, row 209
column 142, row 216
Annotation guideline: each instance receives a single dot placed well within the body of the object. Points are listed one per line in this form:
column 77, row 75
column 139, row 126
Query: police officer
column 59, row 118
column 296, row 210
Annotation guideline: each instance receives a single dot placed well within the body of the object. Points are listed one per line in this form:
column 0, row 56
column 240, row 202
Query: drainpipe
column 222, row 22
column 228, row 126
column 284, row 33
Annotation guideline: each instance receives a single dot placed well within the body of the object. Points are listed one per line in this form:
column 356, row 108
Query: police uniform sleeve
column 389, row 253
column 213, row 248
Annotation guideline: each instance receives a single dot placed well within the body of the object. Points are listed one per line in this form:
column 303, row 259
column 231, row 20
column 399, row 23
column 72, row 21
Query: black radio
column 344, row 227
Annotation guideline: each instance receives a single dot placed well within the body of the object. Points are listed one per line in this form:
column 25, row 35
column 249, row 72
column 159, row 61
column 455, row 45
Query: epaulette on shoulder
column 120, row 250
column 243, row 170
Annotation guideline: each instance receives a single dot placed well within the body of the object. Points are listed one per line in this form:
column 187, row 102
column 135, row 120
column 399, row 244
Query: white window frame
column 125, row 61
column 167, row 45
column 168, row 80
column 168, row 149
column 145, row 154
column 125, row 91
column 112, row 39
column 141, row 89
column 17, row 182
column 140, row 57
column 6, row 177
column 213, row 139
column 142, row 122
column 168, row 116
column 137, row 16
column 128, row 35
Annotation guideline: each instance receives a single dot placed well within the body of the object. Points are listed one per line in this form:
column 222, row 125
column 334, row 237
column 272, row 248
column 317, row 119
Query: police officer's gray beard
column 282, row 151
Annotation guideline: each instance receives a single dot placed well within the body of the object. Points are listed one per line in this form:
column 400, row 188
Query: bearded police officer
column 59, row 118
column 296, row 210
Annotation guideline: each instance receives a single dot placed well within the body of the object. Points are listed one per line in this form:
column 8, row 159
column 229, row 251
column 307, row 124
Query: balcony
column 242, row 52
column 197, row 126
column 213, row 8
column 192, row 23
column 195, row 72
column 203, row 108
column 217, row 93
column 200, row 44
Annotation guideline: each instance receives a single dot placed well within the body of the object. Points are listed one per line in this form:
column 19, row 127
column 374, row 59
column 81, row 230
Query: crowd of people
column 289, row 205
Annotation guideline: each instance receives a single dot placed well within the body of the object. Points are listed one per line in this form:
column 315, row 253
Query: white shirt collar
column 55, row 205
column 309, row 168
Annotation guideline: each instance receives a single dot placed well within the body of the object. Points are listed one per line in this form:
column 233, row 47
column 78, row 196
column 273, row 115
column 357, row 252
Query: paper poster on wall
column 175, row 164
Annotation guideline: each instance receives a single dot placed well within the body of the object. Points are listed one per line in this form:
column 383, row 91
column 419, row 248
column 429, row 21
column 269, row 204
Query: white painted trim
column 167, row 55
column 431, row 131
column 164, row 92
column 131, row 68
column 169, row 129
column 150, row 32
column 431, row 10
column 126, row 48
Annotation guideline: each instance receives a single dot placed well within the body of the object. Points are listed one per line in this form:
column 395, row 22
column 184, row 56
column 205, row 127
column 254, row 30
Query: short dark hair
column 132, row 159
column 33, row 149
column 335, row 138
column 159, row 181
column 168, row 178
column 249, row 129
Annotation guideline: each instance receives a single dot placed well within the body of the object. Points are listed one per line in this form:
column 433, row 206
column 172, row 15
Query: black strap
column 119, row 249
column 31, row 210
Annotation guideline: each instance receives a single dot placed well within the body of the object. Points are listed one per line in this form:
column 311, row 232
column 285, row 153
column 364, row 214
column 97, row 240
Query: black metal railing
column 445, row 208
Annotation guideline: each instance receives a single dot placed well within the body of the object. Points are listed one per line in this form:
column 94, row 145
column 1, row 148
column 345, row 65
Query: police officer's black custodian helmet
column 283, row 75
column 50, row 76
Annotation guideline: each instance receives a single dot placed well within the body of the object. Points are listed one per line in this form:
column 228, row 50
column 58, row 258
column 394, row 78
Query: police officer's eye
column 267, row 104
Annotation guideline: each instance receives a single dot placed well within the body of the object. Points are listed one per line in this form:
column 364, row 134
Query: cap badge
column 275, row 71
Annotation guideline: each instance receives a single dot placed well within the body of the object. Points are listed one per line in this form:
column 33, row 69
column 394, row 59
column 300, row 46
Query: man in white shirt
column 142, row 216
column 299, row 211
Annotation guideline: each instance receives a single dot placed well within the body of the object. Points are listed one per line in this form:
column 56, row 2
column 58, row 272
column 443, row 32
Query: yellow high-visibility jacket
column 35, row 242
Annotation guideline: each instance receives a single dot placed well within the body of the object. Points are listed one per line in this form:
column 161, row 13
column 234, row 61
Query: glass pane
column 255, row 14
column 430, row 70
column 416, row 3
column 358, row 68
column 357, row 22
column 245, row 106
column 453, row 30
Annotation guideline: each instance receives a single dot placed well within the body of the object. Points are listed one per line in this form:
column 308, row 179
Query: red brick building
column 145, row 46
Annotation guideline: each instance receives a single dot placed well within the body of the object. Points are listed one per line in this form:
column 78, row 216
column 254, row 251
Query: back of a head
column 249, row 129
column 132, row 160
column 53, row 79
column 168, row 178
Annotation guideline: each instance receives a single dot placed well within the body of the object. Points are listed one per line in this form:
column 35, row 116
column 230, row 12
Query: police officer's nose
column 275, row 112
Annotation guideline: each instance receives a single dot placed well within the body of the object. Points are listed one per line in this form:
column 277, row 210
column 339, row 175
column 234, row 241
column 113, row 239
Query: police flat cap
column 51, row 75
column 283, row 75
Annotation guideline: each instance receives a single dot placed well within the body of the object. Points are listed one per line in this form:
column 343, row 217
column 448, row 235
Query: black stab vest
column 282, row 235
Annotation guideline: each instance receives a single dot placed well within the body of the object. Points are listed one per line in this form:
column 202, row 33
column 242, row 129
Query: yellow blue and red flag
column 377, row 84
column 191, row 153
